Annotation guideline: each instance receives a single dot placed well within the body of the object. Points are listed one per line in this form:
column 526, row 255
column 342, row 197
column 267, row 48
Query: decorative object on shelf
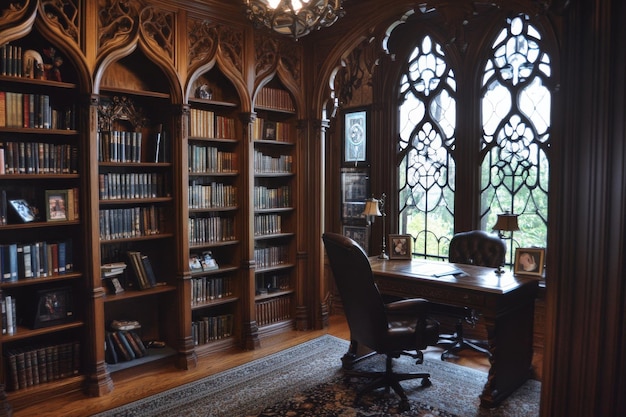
column 507, row 222
column 400, row 247
column 204, row 92
column 529, row 261
column 294, row 18
column 56, row 205
column 376, row 208
column 32, row 64
column 53, row 306
column 24, row 211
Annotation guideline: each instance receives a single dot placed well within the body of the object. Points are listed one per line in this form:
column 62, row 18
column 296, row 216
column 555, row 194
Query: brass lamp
column 294, row 18
column 373, row 208
column 507, row 222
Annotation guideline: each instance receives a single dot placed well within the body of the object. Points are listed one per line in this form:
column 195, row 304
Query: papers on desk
column 436, row 270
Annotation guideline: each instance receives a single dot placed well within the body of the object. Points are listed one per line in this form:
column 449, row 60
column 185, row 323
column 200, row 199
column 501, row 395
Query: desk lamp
column 372, row 210
column 507, row 222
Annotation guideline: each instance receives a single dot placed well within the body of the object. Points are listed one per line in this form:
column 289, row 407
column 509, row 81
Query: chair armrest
column 413, row 306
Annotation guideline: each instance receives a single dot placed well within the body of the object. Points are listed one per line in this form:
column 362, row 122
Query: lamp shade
column 506, row 222
column 371, row 208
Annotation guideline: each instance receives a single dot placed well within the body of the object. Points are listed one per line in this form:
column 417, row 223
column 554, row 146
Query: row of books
column 209, row 329
column 115, row 186
column 119, row 146
column 269, row 198
column 142, row 268
column 204, row 159
column 267, row 224
column 265, row 257
column 205, row 289
column 35, row 260
column 34, row 111
column 210, row 229
column 274, row 98
column 31, row 366
column 122, row 223
column 270, row 164
column 8, row 310
column 263, row 129
column 123, row 346
column 38, row 158
column 11, row 60
column 269, row 283
column 215, row 194
column 273, row 310
column 206, row 124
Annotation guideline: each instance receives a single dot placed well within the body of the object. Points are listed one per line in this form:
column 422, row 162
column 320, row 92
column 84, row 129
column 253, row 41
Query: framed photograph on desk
column 529, row 261
column 400, row 246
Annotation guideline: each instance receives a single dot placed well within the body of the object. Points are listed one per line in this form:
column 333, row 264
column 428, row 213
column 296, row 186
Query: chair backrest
column 363, row 305
column 477, row 247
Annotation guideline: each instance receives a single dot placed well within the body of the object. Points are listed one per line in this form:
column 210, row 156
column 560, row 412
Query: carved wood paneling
column 157, row 29
column 64, row 15
column 206, row 40
column 117, row 22
column 272, row 52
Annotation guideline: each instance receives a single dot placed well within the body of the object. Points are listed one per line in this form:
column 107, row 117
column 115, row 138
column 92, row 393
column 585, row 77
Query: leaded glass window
column 427, row 136
column 515, row 120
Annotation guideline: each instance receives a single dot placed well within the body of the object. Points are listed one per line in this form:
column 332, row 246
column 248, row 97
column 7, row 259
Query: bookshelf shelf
column 273, row 295
column 275, row 110
column 130, row 294
column 42, row 280
column 273, row 236
column 25, row 396
column 135, row 93
column 152, row 355
column 221, row 270
column 214, row 303
column 157, row 236
column 261, row 142
column 33, row 81
column 215, row 103
column 38, row 177
column 213, row 140
column 37, row 225
column 136, row 201
column 23, row 333
column 274, row 268
column 39, row 132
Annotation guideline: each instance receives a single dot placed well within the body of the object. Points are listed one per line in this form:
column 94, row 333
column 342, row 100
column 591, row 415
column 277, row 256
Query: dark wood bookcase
column 274, row 226
column 214, row 212
column 43, row 263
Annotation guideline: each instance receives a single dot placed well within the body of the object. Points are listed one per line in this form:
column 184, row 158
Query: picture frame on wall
column 360, row 234
column 400, row 246
column 354, row 189
column 355, row 136
column 56, row 205
column 529, row 261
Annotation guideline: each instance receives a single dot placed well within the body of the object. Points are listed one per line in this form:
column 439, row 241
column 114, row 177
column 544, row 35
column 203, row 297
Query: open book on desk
column 436, row 269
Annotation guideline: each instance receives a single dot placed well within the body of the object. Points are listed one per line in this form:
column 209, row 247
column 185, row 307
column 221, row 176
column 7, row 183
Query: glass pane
column 426, row 171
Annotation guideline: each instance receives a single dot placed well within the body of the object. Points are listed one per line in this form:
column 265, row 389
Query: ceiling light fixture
column 294, row 18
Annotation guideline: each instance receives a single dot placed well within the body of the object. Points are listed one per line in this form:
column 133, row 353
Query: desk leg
column 511, row 346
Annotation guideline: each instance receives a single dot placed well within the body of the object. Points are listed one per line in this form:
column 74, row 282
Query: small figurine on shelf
column 51, row 64
column 204, row 91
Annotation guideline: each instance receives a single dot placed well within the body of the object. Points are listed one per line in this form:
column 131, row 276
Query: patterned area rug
column 307, row 380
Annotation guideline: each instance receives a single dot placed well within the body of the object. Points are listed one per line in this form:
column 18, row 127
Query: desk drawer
column 433, row 293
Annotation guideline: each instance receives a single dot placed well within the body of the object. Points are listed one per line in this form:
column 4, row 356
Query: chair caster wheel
column 404, row 405
column 426, row 382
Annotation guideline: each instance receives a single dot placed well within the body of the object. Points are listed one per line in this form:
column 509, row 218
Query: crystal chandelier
column 294, row 18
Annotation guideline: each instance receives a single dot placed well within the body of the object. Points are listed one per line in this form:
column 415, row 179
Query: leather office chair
column 475, row 247
column 392, row 329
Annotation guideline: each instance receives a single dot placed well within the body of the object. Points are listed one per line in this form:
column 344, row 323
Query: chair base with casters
column 387, row 378
column 457, row 342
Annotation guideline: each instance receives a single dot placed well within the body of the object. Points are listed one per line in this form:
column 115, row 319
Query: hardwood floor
column 153, row 381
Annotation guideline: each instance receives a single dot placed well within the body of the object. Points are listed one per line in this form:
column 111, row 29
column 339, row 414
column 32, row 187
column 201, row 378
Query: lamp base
column 383, row 255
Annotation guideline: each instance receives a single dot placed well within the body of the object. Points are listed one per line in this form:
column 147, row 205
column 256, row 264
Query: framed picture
column 360, row 234
column 400, row 247
column 56, row 205
column 354, row 186
column 529, row 261
column 54, row 306
column 24, row 211
column 269, row 130
column 355, row 136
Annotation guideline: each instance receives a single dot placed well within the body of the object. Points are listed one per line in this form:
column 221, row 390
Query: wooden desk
column 505, row 302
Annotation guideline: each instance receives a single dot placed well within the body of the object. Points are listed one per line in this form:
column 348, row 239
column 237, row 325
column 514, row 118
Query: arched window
column 511, row 152
column 515, row 119
column 427, row 136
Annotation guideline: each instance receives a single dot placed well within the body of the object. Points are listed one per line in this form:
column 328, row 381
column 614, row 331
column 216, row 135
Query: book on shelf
column 142, row 268
column 123, row 345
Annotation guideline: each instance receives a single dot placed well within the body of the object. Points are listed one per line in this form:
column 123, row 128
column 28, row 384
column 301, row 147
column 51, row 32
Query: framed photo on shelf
column 529, row 261
column 355, row 136
column 360, row 234
column 24, row 211
column 400, row 246
column 56, row 205
column 54, row 306
column 269, row 130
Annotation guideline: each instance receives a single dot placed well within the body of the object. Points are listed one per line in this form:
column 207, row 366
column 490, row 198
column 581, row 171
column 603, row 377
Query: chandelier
column 294, row 18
